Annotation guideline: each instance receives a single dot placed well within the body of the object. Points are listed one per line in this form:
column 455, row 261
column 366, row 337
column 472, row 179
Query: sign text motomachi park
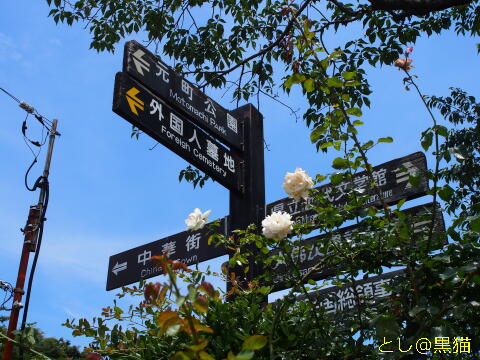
column 178, row 92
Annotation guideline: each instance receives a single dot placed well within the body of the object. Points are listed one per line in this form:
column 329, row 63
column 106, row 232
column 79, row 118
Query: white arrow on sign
column 403, row 175
column 140, row 63
column 119, row 267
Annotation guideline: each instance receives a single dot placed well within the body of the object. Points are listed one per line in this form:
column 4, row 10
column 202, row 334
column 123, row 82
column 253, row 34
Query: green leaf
column 446, row 193
column 181, row 355
column 205, row 356
column 254, row 342
column 348, row 75
column 180, row 300
column 386, row 326
column 316, row 134
column 475, row 224
column 294, row 79
column 387, row 139
column 245, row 355
column 326, row 145
column 441, row 130
column 414, row 180
column 334, row 82
column 336, row 179
column 354, row 112
column 340, row 163
column 309, row 85
column 352, row 83
column 427, row 140
column 200, row 305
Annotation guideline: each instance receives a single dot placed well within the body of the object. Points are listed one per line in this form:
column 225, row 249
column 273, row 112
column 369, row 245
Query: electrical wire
column 35, row 157
column 30, row 109
column 8, row 288
column 46, row 125
column 13, row 97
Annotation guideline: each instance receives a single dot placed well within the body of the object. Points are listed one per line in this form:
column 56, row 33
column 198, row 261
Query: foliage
column 436, row 296
column 49, row 347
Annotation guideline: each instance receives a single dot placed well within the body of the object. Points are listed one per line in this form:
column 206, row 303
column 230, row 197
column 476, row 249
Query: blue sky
column 109, row 193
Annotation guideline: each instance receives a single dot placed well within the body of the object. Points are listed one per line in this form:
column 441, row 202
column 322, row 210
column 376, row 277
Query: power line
column 30, row 110
column 46, row 125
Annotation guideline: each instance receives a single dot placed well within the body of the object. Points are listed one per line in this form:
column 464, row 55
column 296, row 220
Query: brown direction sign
column 370, row 291
column 150, row 114
column 180, row 94
column 392, row 178
column 189, row 247
column 308, row 254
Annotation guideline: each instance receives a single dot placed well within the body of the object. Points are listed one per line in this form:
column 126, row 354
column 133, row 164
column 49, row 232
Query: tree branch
column 416, row 7
column 265, row 50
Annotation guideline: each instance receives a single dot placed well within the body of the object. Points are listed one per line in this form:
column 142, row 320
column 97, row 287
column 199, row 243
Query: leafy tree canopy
column 240, row 42
column 53, row 348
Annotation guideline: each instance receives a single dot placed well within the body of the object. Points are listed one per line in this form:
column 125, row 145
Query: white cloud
column 9, row 52
column 82, row 256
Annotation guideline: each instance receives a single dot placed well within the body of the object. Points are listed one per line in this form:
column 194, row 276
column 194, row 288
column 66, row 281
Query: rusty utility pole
column 35, row 220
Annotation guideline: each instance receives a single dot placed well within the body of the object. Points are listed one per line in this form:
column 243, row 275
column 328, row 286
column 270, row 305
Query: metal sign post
column 226, row 145
column 249, row 207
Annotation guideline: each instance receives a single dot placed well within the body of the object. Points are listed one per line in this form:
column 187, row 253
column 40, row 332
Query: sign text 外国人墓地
column 153, row 116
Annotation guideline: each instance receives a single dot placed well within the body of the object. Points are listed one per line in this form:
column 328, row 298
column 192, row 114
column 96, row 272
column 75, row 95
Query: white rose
column 196, row 220
column 277, row 225
column 297, row 184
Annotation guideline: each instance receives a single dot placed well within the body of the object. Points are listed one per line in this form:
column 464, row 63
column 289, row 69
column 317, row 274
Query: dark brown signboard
column 342, row 299
column 180, row 94
column 308, row 254
column 150, row 114
column 189, row 247
column 392, row 178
